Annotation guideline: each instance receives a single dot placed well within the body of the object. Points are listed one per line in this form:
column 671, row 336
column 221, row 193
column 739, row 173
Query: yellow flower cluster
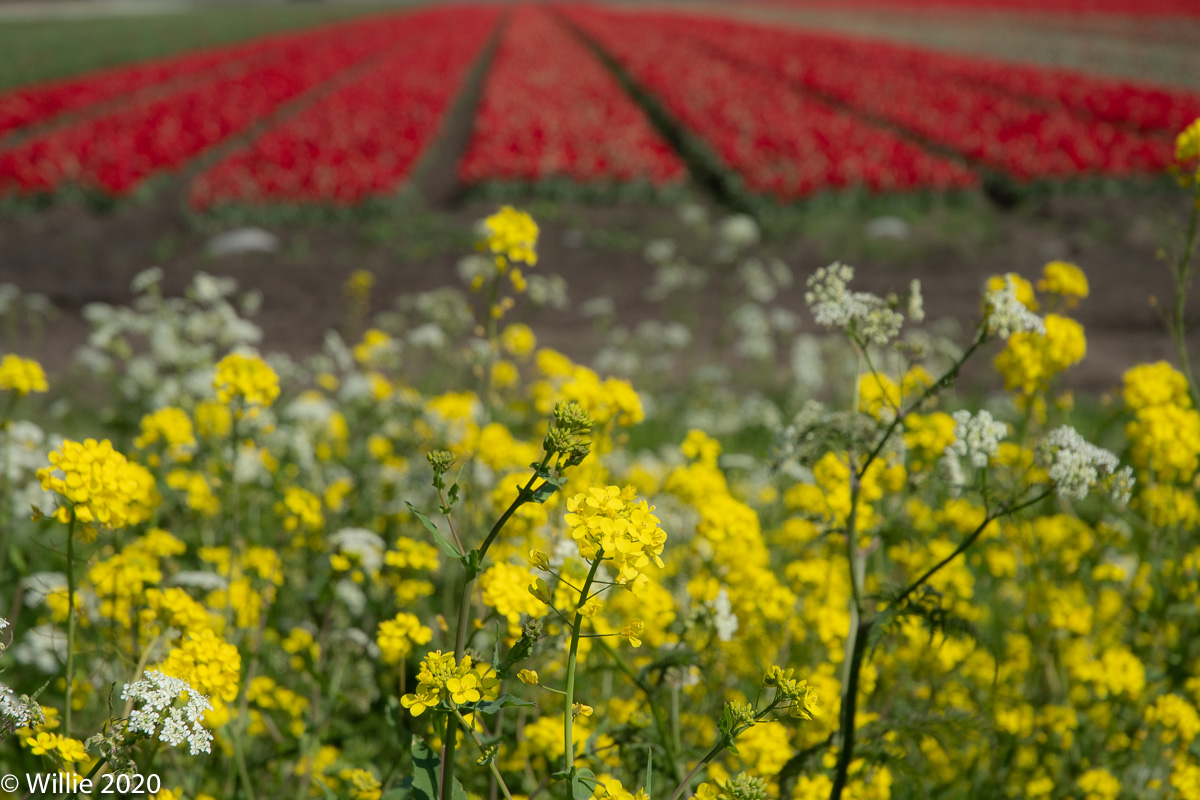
column 171, row 426
column 1030, row 360
column 1187, row 154
column 101, row 486
column 511, row 237
column 210, row 664
column 247, row 378
column 1165, row 430
column 398, row 636
column 21, row 375
column 1064, row 279
column 441, row 679
column 612, row 520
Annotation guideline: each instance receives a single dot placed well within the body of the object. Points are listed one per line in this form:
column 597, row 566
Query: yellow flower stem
column 572, row 655
column 1183, row 279
column 483, row 751
column 70, row 621
column 7, row 512
column 716, row 749
column 655, row 710
column 233, row 520
column 464, row 623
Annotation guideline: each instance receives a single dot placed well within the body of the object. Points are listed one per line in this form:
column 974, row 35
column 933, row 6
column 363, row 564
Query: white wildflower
column 158, row 694
column 916, row 303
column 857, row 313
column 738, row 231
column 725, row 621
column 367, row 545
column 1074, row 464
column 659, row 251
column 1120, row 488
column 977, row 437
column 1008, row 315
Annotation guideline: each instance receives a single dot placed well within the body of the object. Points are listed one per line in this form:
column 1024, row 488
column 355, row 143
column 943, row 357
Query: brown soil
column 1113, row 238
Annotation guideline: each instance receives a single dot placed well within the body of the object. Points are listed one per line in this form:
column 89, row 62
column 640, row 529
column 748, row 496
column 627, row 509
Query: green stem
column 572, row 654
column 716, row 749
column 464, row 622
column 655, row 710
column 1182, row 281
column 70, row 621
column 483, row 751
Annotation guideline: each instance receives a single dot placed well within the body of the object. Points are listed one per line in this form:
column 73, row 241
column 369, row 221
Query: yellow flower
column 440, row 678
column 246, row 377
column 528, row 677
column 1065, row 280
column 511, row 236
column 611, row 520
column 1187, row 153
column 22, row 375
column 101, row 486
column 172, row 427
column 398, row 636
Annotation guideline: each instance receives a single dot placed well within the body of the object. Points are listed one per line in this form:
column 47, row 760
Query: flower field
column 439, row 559
column 784, row 529
column 345, row 112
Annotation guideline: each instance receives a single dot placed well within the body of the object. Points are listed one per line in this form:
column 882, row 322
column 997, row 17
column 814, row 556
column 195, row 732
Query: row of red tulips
column 781, row 141
column 1132, row 8
column 550, row 109
column 38, row 103
column 115, row 151
column 1023, row 137
column 363, row 138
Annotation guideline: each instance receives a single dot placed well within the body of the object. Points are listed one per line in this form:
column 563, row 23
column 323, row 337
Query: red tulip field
column 581, row 94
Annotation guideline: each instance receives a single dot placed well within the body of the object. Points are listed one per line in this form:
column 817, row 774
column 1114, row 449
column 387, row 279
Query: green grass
column 39, row 50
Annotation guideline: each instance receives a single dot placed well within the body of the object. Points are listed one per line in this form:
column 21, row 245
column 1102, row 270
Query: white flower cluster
column 18, row 711
column 862, row 313
column 157, row 693
column 725, row 621
column 977, row 436
column 367, row 545
column 1008, row 315
column 1076, row 465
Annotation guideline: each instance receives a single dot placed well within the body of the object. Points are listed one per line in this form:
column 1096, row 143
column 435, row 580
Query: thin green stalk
column 1182, row 282
column 70, row 620
column 716, row 749
column 234, row 538
column 572, row 654
column 483, row 751
column 464, row 622
column 655, row 710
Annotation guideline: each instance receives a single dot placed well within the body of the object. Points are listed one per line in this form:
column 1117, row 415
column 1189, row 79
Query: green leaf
column 544, row 492
column 426, row 766
column 583, row 784
column 395, row 794
column 649, row 771
column 503, row 701
column 442, row 541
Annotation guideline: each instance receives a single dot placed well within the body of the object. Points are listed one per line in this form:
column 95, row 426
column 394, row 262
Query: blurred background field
column 109, row 176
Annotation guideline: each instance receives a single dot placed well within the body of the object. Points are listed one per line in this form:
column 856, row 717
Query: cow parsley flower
column 860, row 314
column 1007, row 315
column 977, row 437
column 1075, row 465
column 158, row 694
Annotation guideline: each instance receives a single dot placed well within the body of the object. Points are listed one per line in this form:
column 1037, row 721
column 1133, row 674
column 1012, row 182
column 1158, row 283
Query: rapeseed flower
column 100, row 485
column 22, row 375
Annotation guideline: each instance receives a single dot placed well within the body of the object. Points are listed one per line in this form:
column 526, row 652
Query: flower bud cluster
column 442, row 679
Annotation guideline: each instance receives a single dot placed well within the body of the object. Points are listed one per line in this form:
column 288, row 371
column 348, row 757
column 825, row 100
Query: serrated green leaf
column 503, row 701
column 426, row 766
column 442, row 541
